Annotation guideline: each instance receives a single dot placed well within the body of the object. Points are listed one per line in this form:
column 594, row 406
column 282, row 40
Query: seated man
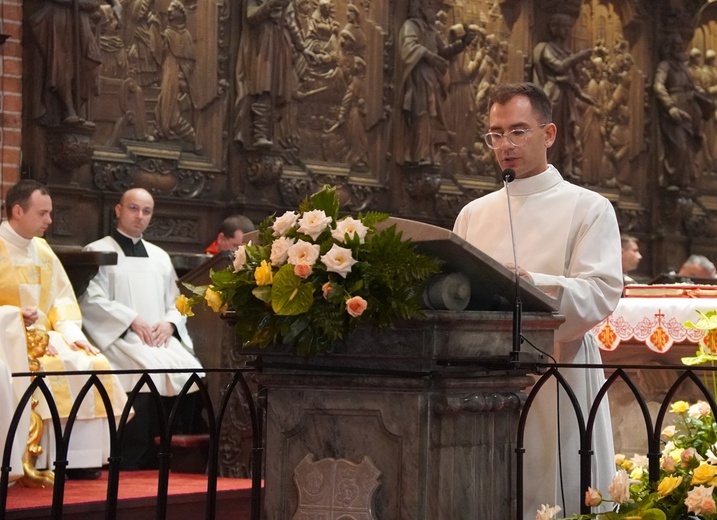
column 630, row 258
column 231, row 234
column 698, row 266
column 130, row 314
column 35, row 294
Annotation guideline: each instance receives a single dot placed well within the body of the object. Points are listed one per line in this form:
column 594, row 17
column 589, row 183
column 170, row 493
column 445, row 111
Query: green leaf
column 289, row 295
column 327, row 200
column 263, row 293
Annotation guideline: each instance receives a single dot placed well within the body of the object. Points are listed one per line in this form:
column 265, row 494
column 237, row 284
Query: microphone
column 508, row 175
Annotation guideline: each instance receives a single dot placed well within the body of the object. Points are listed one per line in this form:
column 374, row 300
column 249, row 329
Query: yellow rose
column 667, row 485
column 183, row 305
column 636, row 473
column 263, row 274
column 703, row 474
column 214, row 300
column 680, row 407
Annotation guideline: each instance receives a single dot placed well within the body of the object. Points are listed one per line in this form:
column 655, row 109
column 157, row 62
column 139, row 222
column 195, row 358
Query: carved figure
column 709, row 75
column 592, row 130
column 554, row 68
column 461, row 102
column 423, row 62
column 265, row 76
column 352, row 39
column 113, row 53
column 324, row 33
column 175, row 96
column 680, row 115
column 67, row 59
column 143, row 38
column 695, row 66
column 352, row 119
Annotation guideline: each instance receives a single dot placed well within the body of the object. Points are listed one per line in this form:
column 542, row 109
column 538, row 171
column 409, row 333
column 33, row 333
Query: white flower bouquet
column 313, row 277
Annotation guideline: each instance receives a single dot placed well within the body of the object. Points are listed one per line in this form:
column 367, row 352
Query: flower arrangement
column 688, row 475
column 707, row 351
column 314, row 277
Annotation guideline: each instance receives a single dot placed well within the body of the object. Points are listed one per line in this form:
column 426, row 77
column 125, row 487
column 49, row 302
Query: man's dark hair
column 542, row 107
column 231, row 224
column 21, row 193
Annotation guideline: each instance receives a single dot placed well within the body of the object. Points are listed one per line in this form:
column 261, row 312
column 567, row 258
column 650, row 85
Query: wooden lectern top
column 492, row 284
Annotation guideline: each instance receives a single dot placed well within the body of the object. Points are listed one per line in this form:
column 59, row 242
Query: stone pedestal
column 428, row 410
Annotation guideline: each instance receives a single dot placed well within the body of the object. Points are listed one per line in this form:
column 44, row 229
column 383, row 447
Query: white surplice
column 31, row 275
column 567, row 236
column 137, row 286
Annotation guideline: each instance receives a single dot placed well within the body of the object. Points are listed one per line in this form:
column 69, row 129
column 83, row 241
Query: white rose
column 239, row 258
column 349, row 226
column 620, row 487
column 280, row 250
column 313, row 223
column 284, row 223
column 546, row 512
column 303, row 252
column 338, row 260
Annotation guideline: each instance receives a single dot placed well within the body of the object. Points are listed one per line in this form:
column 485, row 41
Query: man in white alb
column 567, row 236
column 35, row 293
column 129, row 311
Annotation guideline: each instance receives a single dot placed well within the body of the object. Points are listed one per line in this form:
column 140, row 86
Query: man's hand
column 161, row 332
column 140, row 327
column 29, row 315
column 521, row 272
column 82, row 344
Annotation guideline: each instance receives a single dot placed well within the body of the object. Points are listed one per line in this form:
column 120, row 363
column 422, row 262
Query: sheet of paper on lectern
column 492, row 284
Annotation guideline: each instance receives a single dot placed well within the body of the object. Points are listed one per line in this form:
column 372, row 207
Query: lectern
column 414, row 422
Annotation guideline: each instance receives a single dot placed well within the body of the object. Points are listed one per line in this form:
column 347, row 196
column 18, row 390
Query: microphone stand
column 509, row 176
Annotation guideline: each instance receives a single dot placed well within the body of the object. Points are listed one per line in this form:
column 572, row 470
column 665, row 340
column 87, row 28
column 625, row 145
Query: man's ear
column 551, row 132
column 117, row 210
column 15, row 212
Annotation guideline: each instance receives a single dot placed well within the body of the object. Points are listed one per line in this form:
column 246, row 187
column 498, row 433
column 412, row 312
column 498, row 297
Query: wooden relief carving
column 162, row 92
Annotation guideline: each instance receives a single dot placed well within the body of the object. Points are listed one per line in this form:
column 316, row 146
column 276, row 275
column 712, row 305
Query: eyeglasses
column 134, row 208
column 517, row 137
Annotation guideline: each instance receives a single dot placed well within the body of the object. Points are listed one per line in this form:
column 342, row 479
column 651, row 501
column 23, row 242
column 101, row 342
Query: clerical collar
column 128, row 245
column 8, row 233
column 537, row 183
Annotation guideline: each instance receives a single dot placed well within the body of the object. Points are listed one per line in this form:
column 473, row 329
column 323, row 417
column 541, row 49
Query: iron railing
column 616, row 374
column 215, row 419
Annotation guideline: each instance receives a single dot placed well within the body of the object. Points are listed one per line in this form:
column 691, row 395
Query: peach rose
column 593, row 497
column 356, row 306
column 303, row 270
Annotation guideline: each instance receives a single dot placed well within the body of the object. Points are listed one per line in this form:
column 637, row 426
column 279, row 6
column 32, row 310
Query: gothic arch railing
column 215, row 419
column 619, row 373
column 238, row 384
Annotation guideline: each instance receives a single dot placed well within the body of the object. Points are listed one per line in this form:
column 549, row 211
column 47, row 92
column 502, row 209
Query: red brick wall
column 10, row 93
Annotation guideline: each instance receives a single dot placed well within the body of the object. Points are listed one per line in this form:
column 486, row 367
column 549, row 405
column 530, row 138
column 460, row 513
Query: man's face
column 527, row 159
column 34, row 221
column 134, row 212
column 230, row 243
column 630, row 256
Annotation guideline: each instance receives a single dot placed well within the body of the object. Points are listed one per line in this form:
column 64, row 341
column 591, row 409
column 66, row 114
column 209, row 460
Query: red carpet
column 133, row 487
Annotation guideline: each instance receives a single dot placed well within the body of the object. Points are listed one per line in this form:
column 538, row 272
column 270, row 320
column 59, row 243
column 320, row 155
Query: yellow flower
column 667, row 485
column 263, row 274
column 214, row 300
column 636, row 473
column 703, row 474
column 680, row 407
column 183, row 305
